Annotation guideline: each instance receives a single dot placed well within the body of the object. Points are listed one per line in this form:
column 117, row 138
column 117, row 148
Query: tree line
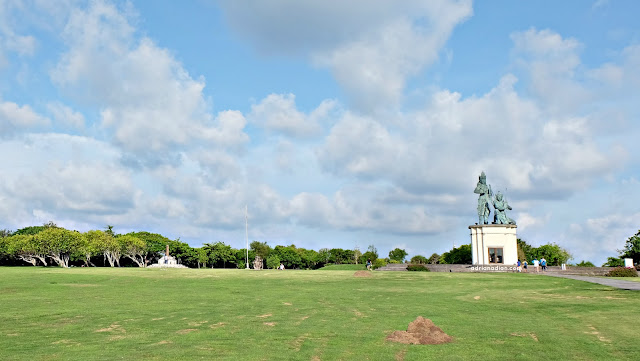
column 52, row 245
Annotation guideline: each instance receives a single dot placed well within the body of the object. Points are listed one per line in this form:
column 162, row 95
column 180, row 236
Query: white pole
column 246, row 227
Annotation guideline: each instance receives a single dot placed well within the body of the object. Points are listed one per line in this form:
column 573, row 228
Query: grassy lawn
column 154, row 314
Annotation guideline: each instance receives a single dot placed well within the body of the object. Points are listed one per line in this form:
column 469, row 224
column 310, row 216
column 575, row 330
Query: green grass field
column 155, row 314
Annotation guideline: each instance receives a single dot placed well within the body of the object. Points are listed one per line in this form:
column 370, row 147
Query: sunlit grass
column 155, row 314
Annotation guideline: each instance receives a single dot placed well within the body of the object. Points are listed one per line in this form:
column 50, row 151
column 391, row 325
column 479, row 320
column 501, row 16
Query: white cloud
column 146, row 97
column 371, row 47
column 65, row 115
column 278, row 113
column 14, row 118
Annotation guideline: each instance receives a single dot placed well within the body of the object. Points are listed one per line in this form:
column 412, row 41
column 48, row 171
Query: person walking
column 524, row 265
column 536, row 265
column 369, row 264
column 543, row 263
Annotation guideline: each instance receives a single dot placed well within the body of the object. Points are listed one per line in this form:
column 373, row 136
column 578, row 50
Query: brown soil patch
column 530, row 334
column 597, row 334
column 113, row 328
column 270, row 324
column 400, row 355
column 476, row 297
column 265, row 316
column 362, row 274
column 163, row 342
column 287, row 304
column 315, row 358
column 197, row 324
column 304, row 318
column 422, row 331
column 218, row 325
column 186, row 331
column 157, row 319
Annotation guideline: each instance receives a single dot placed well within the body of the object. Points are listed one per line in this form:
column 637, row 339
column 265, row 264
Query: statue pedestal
column 494, row 244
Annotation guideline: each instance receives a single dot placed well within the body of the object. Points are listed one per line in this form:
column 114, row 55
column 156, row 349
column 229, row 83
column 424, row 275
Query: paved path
column 613, row 282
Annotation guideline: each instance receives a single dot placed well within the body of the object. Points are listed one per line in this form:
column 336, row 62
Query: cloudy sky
column 337, row 123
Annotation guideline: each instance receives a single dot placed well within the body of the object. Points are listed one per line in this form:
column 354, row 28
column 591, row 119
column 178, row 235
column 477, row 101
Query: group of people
column 522, row 266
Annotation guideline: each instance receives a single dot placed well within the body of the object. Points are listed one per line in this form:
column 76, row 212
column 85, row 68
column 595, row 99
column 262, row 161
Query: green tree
column 398, row 255
column 614, row 262
column 288, row 256
column 585, row 264
column 155, row 244
column 133, row 248
column 434, row 259
column 26, row 248
column 371, row 253
column 220, row 254
column 273, row 261
column 632, row 248
column 460, row 255
column 419, row 260
column 554, row 254
column 59, row 244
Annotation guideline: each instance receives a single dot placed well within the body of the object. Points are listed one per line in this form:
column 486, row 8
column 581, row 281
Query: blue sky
column 337, row 124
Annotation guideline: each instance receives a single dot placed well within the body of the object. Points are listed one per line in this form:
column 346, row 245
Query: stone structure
column 167, row 261
column 496, row 243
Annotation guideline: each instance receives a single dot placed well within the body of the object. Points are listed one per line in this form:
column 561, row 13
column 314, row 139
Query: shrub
column 622, row 272
column 419, row 260
column 379, row 263
column 585, row 264
column 417, row 267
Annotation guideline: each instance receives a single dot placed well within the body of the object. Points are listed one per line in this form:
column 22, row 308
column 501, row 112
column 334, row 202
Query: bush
column 622, row 272
column 273, row 262
column 417, row 268
column 419, row 260
column 585, row 264
column 379, row 263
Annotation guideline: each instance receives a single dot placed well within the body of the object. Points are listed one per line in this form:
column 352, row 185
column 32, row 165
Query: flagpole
column 246, row 227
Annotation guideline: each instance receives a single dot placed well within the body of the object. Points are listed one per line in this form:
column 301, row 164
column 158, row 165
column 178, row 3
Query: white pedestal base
column 494, row 237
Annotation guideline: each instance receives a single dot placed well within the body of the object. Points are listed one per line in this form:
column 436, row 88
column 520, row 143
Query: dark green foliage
column 585, row 264
column 434, row 259
column 398, row 255
column 554, row 254
column 377, row 263
column 460, row 255
column 371, row 253
column 261, row 249
column 614, row 262
column 220, row 255
column 340, row 256
column 273, row 261
column 632, row 248
column 417, row 268
column 155, row 244
column 419, row 260
column 288, row 256
column 622, row 272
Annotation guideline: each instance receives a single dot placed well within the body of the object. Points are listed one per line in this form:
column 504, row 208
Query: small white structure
column 167, row 261
column 628, row 262
column 494, row 244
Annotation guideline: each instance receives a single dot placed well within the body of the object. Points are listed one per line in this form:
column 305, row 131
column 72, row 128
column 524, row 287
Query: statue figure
column 484, row 198
column 500, row 205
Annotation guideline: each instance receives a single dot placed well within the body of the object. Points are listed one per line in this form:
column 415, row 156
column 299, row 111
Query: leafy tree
column 525, row 250
column 371, row 253
column 585, row 264
column 273, row 261
column 91, row 245
column 323, row 256
column 261, row 249
column 4, row 233
column 338, row 256
column 202, row 257
column 632, row 248
column 59, row 244
column 241, row 256
column 288, row 256
column 133, row 248
column 554, row 254
column 398, row 255
column 220, row 254
column 460, row 255
column 155, row 244
column 434, row 259
column 614, row 262
column 25, row 248
column 419, row 260
column 309, row 259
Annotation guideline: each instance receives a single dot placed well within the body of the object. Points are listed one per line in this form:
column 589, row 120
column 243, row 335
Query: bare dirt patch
column 271, row 324
column 525, row 334
column 422, row 331
column 218, row 325
column 597, row 334
column 197, row 324
column 163, row 342
column 287, row 304
column 265, row 315
column 113, row 328
column 362, row 274
column 476, row 297
column 186, row 331
column 400, row 355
